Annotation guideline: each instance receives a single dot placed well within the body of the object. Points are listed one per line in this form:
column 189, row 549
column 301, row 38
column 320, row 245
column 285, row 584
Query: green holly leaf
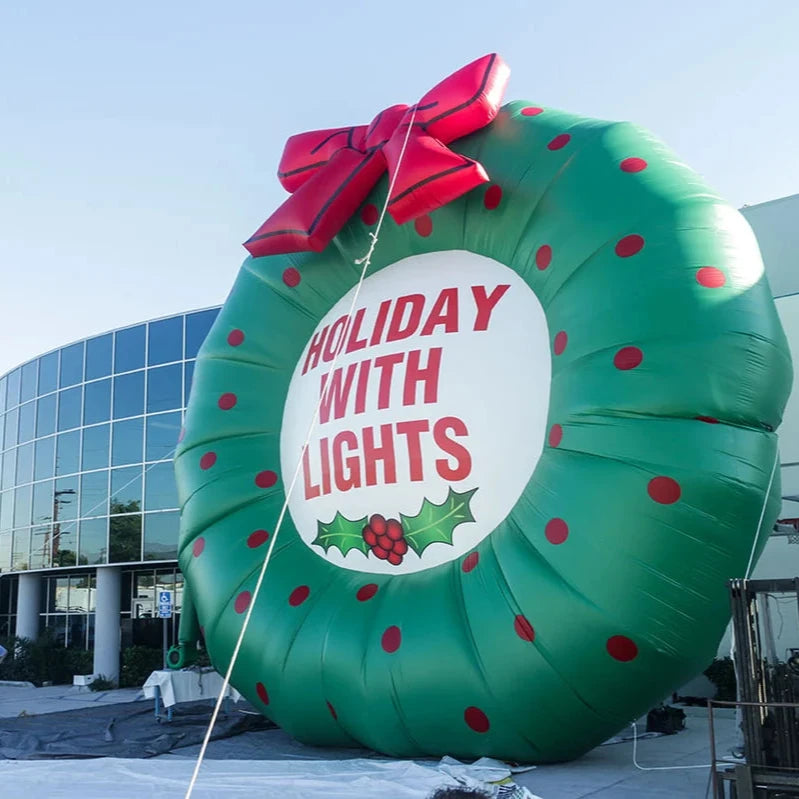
column 437, row 523
column 342, row 533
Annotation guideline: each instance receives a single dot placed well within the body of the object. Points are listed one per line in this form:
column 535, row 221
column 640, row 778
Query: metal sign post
column 165, row 613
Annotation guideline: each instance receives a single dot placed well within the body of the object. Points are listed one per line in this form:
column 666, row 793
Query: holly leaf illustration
column 437, row 523
column 342, row 533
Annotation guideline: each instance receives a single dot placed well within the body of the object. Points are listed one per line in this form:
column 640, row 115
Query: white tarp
column 168, row 778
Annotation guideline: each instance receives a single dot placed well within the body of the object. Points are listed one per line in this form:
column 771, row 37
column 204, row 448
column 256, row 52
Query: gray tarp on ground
column 127, row 730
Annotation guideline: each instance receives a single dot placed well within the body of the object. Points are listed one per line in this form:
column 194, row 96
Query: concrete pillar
column 28, row 599
column 106, row 624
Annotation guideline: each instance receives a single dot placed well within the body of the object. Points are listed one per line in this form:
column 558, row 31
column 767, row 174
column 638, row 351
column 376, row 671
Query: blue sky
column 139, row 142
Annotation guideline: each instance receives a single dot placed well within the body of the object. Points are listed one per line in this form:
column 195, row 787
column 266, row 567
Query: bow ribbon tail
column 432, row 175
column 320, row 207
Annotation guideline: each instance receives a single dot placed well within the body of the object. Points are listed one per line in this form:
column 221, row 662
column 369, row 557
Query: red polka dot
column 392, row 638
column 561, row 340
column 366, row 592
column 235, row 337
column 543, row 258
column 492, row 197
column 423, row 225
column 242, row 601
column 198, row 547
column 629, row 245
column 299, row 595
column 620, row 647
column 291, row 277
column 476, row 719
column 710, row 277
column 332, row 711
column 664, row 490
column 260, row 689
column 265, row 479
column 470, row 561
column 227, row 401
column 707, row 419
column 628, row 358
column 255, row 539
column 532, row 111
column 523, row 628
column 182, row 434
column 633, row 165
column 555, row 435
column 208, row 460
column 369, row 214
column 560, row 141
column 556, row 531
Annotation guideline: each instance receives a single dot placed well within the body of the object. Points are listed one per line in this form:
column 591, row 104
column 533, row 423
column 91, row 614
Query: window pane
column 93, row 545
column 13, row 388
column 82, row 593
column 125, row 539
column 197, row 327
column 98, row 356
column 65, row 544
column 48, row 373
column 45, row 415
column 41, row 546
column 9, row 468
column 27, row 422
column 126, row 490
column 25, row 464
column 2, row 394
column 76, row 628
column 21, row 552
column 162, row 436
column 43, row 502
column 94, row 494
column 97, row 402
column 128, row 442
column 44, row 457
column 71, row 365
column 7, row 512
column 5, row 551
column 164, row 390
column 69, row 408
column 66, row 498
column 160, row 490
column 188, row 379
column 95, row 447
column 161, row 536
column 129, row 395
column 67, row 453
column 10, row 437
column 29, row 381
column 22, row 506
column 129, row 349
column 165, row 341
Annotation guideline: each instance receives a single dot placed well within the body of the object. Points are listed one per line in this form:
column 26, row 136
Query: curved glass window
column 71, row 365
column 129, row 349
column 129, row 395
column 98, row 356
column 48, row 373
column 97, row 402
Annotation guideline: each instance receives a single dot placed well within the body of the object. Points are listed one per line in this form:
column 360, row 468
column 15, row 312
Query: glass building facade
column 87, row 434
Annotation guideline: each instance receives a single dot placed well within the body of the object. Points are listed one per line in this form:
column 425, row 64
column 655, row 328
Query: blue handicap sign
column 164, row 597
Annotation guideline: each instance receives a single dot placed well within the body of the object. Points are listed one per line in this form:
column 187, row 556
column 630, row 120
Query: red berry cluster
column 386, row 538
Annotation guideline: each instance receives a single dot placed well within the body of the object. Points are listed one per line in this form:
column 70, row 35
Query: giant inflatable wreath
column 531, row 451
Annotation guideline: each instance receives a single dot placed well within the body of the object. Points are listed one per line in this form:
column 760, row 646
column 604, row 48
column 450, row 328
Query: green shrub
column 100, row 683
column 138, row 662
column 721, row 672
column 42, row 661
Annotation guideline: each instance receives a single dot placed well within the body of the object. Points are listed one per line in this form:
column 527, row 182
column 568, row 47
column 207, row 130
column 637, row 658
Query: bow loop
column 330, row 172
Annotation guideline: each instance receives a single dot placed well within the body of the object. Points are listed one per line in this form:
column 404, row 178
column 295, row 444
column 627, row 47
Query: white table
column 170, row 688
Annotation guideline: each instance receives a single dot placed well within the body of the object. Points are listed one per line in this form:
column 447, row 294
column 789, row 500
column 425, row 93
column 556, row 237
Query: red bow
column 331, row 172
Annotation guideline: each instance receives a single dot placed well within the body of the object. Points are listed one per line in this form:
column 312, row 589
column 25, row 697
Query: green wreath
column 603, row 589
